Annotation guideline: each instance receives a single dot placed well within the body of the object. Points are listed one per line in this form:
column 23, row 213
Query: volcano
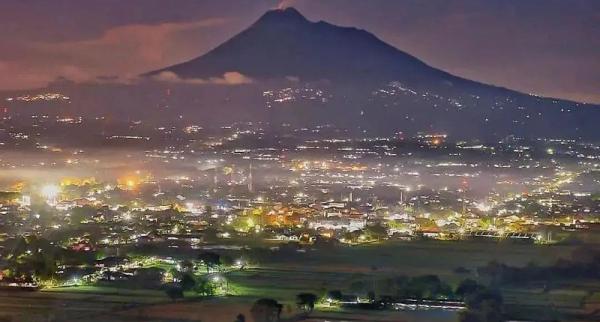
column 373, row 85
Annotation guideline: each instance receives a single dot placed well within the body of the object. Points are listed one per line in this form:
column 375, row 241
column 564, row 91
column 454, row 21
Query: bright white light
column 50, row 192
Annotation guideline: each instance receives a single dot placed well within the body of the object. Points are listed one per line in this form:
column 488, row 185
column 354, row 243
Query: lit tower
column 215, row 180
column 250, row 186
column 465, row 185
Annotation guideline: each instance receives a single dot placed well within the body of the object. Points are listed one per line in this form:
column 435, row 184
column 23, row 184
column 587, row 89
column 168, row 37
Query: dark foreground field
column 282, row 276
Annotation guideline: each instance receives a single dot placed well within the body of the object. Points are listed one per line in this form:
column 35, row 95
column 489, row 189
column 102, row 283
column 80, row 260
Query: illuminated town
column 77, row 217
column 191, row 193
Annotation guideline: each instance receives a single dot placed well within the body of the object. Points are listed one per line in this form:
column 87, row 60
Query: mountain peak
column 282, row 42
column 285, row 15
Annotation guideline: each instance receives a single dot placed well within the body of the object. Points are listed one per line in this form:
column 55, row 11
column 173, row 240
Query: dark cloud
column 547, row 47
column 124, row 51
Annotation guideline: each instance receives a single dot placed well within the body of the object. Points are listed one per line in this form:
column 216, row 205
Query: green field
column 415, row 258
column 282, row 275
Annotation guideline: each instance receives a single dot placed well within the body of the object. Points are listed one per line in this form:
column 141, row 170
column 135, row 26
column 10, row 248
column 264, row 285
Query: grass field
column 415, row 258
column 282, row 275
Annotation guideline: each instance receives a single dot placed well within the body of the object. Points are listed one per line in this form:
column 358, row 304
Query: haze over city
column 299, row 160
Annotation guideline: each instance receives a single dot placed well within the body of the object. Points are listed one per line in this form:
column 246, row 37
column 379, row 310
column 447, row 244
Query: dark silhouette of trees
column 187, row 282
column 376, row 232
column 174, row 293
column 187, row 266
column 148, row 276
column 210, row 259
column 467, row 287
column 266, row 310
column 424, row 286
column 499, row 274
column 306, row 301
column 34, row 256
column 483, row 304
column 334, row 295
column 371, row 296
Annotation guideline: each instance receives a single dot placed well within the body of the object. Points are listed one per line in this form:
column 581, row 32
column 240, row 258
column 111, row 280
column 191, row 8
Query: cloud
column 123, row 51
column 228, row 78
column 232, row 78
column 285, row 4
column 293, row 79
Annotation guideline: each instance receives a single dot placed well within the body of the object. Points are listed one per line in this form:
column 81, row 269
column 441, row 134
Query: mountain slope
column 361, row 71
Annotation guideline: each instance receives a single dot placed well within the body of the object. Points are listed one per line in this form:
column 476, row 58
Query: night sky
column 545, row 47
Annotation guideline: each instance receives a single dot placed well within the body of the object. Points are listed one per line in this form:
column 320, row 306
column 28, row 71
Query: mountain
column 372, row 86
column 287, row 69
column 284, row 43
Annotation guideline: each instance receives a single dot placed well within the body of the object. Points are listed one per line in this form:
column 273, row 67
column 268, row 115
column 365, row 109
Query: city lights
column 300, row 170
column 50, row 192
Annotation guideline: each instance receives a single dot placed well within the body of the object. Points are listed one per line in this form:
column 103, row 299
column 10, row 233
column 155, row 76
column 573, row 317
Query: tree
column 187, row 266
column 187, row 282
column 376, row 231
column 425, row 286
column 44, row 265
column 306, row 301
column 335, row 295
column 210, row 259
column 20, row 247
column 371, row 296
column 174, row 293
column 422, row 286
column 266, row 310
column 148, row 276
column 483, row 297
column 226, row 261
column 205, row 287
column 482, row 306
column 468, row 287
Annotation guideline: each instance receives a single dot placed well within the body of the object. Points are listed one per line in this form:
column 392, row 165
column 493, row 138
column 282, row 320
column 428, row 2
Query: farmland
column 282, row 275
